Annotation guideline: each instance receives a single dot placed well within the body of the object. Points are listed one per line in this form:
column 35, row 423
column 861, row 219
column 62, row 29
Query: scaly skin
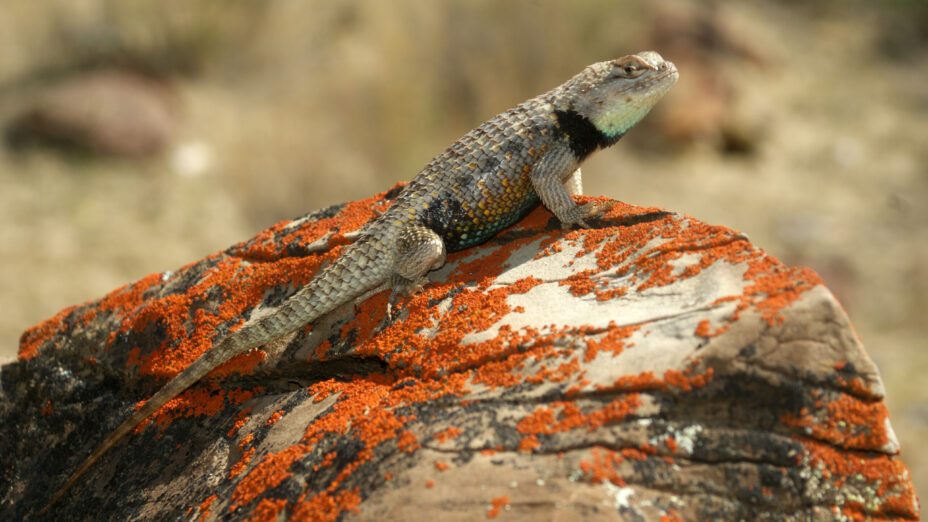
column 487, row 180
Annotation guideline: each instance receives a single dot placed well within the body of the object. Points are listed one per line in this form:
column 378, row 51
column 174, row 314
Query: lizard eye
column 629, row 69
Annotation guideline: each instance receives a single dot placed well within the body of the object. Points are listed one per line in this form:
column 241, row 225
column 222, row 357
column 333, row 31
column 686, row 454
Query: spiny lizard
column 487, row 180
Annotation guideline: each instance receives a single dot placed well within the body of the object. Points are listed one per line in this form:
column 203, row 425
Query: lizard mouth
column 667, row 76
column 667, row 70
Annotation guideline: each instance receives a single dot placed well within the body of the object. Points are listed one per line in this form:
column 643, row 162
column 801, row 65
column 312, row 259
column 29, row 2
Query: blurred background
column 138, row 136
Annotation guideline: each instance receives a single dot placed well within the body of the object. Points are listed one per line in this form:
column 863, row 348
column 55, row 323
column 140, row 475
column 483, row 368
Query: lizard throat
column 583, row 136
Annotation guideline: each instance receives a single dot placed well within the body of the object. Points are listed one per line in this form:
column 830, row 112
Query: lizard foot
column 402, row 288
column 419, row 250
column 578, row 214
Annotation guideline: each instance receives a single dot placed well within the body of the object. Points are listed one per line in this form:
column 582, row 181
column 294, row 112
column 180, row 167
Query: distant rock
column 704, row 107
column 106, row 112
column 653, row 368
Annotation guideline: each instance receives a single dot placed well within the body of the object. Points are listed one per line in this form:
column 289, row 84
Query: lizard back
column 480, row 184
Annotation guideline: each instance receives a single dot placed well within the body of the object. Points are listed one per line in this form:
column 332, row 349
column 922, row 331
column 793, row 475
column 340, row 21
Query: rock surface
column 652, row 368
column 104, row 112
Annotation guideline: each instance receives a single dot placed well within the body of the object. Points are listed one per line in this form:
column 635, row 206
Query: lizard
column 487, row 180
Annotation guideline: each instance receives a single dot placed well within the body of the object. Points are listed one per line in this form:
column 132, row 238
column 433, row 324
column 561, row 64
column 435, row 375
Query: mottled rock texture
column 651, row 368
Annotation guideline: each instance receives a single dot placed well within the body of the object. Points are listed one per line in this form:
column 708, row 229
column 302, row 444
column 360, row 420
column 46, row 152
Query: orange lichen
column 612, row 341
column 528, row 444
column 544, row 420
column 365, row 408
column 888, row 477
column 134, row 357
column 204, row 506
column 323, row 389
column 687, row 381
column 273, row 469
column 561, row 373
column 268, row 510
column 444, row 352
column 241, row 364
column 195, row 402
column 447, row 434
column 189, row 329
column 605, row 463
column 441, row 466
column 369, row 314
column 627, row 251
column 326, row 461
column 672, row 380
column 407, row 442
column 581, row 283
column 704, row 329
column 671, row 516
column 326, row 506
column 641, row 453
column 269, row 244
column 320, row 352
column 240, row 420
column 33, row 338
column 845, row 421
column 496, row 505
column 429, row 484
column 857, row 387
column 603, row 467
column 274, row 417
column 492, row 260
column 240, row 466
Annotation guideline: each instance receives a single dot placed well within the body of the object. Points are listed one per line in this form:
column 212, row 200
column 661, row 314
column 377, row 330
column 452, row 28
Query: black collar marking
column 583, row 137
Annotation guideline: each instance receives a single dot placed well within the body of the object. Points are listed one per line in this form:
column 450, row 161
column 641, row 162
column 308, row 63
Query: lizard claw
column 403, row 288
column 578, row 214
column 578, row 224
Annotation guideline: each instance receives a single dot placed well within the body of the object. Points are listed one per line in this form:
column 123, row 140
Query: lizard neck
column 583, row 136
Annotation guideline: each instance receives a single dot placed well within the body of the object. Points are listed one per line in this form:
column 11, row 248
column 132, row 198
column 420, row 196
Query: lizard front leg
column 418, row 251
column 548, row 179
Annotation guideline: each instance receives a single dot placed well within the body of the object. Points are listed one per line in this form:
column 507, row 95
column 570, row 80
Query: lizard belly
column 467, row 218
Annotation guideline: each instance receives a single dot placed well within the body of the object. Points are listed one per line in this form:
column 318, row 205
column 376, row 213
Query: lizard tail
column 174, row 387
column 361, row 268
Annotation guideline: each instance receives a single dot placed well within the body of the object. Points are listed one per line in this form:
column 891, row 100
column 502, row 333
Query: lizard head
column 615, row 95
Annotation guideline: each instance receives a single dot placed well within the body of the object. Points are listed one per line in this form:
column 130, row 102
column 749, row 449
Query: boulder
column 653, row 367
column 106, row 112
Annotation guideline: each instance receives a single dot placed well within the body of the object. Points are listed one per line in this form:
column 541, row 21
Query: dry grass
column 303, row 104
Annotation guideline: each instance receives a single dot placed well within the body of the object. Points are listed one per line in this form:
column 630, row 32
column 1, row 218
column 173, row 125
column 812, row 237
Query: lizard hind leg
column 418, row 251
